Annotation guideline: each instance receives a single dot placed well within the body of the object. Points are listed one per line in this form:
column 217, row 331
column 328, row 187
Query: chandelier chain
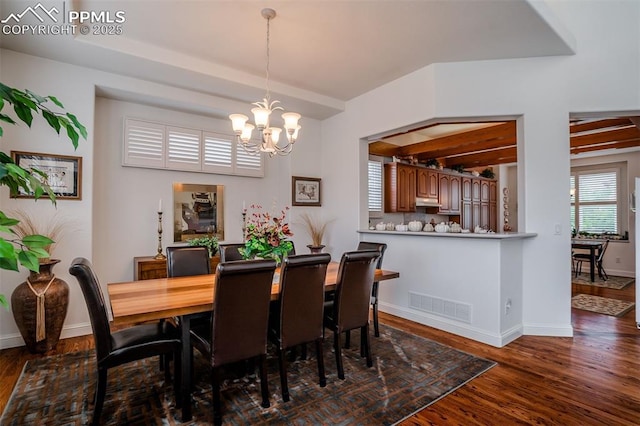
column 268, row 55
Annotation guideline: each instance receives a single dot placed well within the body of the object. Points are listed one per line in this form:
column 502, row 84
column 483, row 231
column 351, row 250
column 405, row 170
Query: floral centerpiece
column 266, row 235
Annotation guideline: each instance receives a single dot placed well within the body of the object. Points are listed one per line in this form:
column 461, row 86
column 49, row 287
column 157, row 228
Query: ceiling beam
column 479, row 146
column 487, row 158
column 461, row 139
column 582, row 126
column 631, row 143
column 605, row 137
column 383, row 149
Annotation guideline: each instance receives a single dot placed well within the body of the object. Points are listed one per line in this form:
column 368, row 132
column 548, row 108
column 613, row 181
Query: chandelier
column 262, row 114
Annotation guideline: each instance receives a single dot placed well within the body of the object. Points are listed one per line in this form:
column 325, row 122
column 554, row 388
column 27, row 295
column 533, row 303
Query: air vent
column 441, row 307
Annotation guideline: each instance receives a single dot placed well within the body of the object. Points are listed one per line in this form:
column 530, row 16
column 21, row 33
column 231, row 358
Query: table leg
column 185, row 388
column 592, row 266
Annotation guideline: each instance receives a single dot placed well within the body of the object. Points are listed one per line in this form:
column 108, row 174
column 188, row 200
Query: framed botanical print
column 63, row 173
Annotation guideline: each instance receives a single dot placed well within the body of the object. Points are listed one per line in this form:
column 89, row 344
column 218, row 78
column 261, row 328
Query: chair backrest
column 241, row 310
column 185, row 261
column 229, row 252
column 602, row 250
column 367, row 245
column 302, row 280
column 81, row 268
column 353, row 288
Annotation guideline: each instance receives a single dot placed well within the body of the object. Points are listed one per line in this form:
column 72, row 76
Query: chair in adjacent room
column 125, row 345
column 350, row 308
column 585, row 257
column 298, row 315
column 239, row 323
column 229, row 252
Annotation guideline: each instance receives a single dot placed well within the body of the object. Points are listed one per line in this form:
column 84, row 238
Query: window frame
column 376, row 213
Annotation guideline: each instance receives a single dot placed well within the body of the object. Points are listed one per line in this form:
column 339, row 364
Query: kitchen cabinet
column 449, row 194
column 399, row 188
column 479, row 203
column 427, row 183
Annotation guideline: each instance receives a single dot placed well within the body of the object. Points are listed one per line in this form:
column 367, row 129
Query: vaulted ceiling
column 476, row 145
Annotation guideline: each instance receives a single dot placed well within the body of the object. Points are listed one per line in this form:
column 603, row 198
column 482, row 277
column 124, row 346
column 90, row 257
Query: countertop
column 490, row 236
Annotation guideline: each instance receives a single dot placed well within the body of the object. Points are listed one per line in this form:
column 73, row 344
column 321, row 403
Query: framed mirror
column 198, row 210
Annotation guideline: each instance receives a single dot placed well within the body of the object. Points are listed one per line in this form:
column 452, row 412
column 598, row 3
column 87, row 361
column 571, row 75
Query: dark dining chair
column 238, row 330
column 229, row 252
column 350, row 308
column 585, row 257
column 187, row 260
column 298, row 315
column 125, row 345
column 380, row 247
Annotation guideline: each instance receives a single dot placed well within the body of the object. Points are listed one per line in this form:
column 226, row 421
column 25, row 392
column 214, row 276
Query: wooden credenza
column 148, row 268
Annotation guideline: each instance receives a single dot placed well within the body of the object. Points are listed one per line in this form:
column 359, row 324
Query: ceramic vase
column 25, row 311
column 315, row 249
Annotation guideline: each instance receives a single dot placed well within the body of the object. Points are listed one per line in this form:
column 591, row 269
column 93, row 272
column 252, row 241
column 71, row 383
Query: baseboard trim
column 15, row 340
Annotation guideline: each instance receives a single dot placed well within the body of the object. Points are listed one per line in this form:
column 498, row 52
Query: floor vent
column 441, row 307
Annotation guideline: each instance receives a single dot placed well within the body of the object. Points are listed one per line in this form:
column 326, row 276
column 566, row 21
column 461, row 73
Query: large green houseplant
column 27, row 250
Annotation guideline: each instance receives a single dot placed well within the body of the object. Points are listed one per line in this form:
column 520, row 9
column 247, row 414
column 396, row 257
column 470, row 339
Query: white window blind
column 158, row 145
column 183, row 150
column 594, row 205
column 144, row 144
column 375, row 186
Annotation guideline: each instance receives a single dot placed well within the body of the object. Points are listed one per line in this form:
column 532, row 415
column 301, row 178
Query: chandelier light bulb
column 237, row 122
column 247, row 130
column 290, row 120
column 261, row 116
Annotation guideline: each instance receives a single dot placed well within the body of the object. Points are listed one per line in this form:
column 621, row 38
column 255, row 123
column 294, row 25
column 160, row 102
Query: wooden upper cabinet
column 484, row 191
column 427, row 183
column 449, row 194
column 454, row 194
column 475, row 190
column 467, row 188
column 399, row 188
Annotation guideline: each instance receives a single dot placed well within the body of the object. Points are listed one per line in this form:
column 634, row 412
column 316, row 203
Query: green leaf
column 37, row 97
column 55, row 101
column 79, row 126
column 7, row 119
column 36, row 241
column 10, row 264
column 23, row 113
column 7, row 250
column 29, row 260
column 52, row 120
column 22, row 98
column 73, row 135
column 40, row 252
column 3, row 300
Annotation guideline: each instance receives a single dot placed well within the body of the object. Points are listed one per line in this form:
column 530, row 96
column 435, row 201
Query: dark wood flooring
column 590, row 379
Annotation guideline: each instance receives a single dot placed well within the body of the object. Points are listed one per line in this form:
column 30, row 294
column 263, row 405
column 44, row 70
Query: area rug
column 613, row 282
column 601, row 305
column 408, row 374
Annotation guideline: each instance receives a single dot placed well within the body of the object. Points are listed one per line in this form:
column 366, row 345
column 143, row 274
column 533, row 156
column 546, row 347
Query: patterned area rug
column 601, row 305
column 613, row 282
column 408, row 373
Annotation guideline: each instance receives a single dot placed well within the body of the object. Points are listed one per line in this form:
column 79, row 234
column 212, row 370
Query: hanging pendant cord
column 268, row 33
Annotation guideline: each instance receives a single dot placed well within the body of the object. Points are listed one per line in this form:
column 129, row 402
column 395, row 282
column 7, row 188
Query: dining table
column 594, row 248
column 184, row 297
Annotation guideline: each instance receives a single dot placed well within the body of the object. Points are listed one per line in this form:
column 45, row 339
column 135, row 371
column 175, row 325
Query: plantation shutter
column 183, row 151
column 375, row 186
column 248, row 164
column 218, row 153
column 143, row 144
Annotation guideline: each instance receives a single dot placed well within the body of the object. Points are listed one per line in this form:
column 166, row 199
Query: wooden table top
column 138, row 301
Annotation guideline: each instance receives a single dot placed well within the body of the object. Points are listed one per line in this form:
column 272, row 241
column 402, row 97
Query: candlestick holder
column 160, row 256
column 244, row 225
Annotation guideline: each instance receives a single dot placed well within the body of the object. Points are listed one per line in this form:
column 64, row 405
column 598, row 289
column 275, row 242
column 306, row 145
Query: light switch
column 558, row 229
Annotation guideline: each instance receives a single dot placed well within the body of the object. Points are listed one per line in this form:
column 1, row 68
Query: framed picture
column 198, row 211
column 64, row 173
column 305, row 191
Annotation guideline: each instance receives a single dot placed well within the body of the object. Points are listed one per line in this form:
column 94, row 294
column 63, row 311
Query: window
column 595, row 199
column 375, row 188
column 160, row 146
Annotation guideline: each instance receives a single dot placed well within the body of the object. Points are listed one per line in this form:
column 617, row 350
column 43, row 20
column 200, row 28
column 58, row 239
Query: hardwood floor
column 590, row 379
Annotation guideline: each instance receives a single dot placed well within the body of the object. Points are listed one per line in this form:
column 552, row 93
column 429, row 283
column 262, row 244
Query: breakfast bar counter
column 469, row 284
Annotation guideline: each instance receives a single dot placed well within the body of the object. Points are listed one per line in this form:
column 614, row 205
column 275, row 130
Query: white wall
column 116, row 219
column 543, row 92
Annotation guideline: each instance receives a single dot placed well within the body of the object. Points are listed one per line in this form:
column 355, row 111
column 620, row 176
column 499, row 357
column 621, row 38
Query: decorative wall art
column 64, row 172
column 305, row 191
column 198, row 210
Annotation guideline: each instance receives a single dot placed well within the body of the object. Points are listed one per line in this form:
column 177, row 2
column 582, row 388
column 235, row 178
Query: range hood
column 427, row 202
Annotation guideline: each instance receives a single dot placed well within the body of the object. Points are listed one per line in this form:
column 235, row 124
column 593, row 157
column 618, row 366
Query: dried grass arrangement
column 53, row 227
column 315, row 228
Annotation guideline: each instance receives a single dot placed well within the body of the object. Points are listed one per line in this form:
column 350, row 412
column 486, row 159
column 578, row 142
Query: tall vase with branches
column 316, row 229
column 28, row 249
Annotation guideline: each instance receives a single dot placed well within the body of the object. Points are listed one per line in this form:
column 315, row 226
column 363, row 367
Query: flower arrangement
column 315, row 228
column 266, row 235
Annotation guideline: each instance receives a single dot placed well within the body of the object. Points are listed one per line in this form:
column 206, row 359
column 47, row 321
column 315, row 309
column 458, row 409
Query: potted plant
column 208, row 241
column 315, row 228
column 27, row 250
